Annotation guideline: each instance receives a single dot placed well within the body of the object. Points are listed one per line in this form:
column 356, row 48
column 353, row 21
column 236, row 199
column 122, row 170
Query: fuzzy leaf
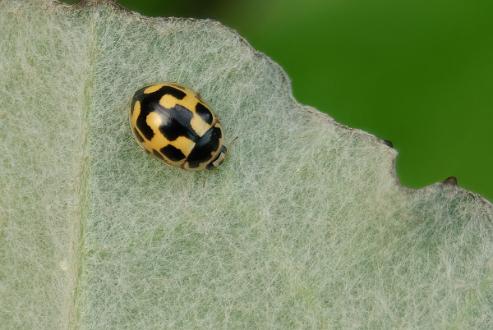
column 304, row 226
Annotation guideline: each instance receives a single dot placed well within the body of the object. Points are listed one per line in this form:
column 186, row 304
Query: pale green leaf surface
column 304, row 225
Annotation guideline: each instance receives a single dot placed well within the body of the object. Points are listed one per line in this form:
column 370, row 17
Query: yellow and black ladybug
column 173, row 123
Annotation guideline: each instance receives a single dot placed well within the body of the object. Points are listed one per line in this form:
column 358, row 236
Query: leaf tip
column 451, row 181
column 388, row 143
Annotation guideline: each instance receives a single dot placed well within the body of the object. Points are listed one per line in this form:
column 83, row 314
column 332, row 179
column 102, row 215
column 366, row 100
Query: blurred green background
column 418, row 73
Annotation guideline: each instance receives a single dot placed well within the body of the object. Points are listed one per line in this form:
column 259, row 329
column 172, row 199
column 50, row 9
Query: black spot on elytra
column 172, row 153
column 178, row 123
column 150, row 103
column 204, row 147
column 204, row 113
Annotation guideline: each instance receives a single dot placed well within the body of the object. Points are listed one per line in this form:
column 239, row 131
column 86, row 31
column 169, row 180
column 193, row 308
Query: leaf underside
column 304, row 225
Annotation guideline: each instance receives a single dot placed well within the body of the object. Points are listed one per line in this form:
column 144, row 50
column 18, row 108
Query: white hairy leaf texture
column 304, row 225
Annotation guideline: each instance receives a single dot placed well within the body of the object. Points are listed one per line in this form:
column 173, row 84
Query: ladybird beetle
column 173, row 123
